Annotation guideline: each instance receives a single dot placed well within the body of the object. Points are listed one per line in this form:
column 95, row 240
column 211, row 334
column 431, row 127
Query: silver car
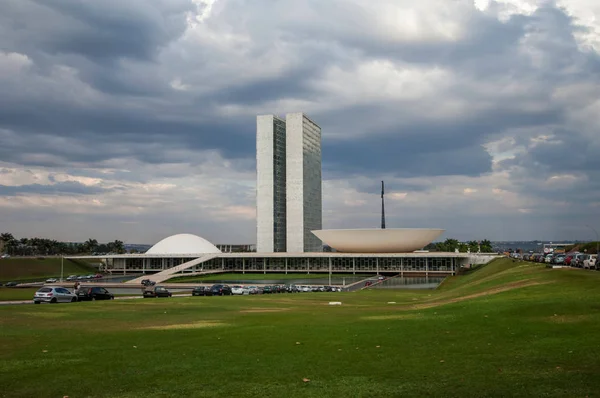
column 54, row 294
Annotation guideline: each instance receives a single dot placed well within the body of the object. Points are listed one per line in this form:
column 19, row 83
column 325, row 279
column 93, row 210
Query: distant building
column 288, row 188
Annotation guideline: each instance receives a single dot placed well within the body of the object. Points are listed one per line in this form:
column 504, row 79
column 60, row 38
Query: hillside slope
column 28, row 269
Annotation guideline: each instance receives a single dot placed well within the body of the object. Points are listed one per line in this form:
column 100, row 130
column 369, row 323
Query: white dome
column 183, row 244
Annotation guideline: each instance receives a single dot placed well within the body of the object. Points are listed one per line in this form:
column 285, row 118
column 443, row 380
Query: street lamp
column 597, row 238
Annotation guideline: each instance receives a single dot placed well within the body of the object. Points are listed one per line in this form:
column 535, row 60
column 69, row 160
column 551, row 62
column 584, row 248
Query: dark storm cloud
column 426, row 149
column 63, row 188
column 124, row 132
column 100, row 30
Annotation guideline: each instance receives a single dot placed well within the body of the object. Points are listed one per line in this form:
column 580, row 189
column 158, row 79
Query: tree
column 91, row 245
column 486, row 246
column 118, row 247
column 9, row 241
column 449, row 245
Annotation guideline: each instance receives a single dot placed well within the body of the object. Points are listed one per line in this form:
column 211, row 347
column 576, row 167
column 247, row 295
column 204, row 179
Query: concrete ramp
column 168, row 273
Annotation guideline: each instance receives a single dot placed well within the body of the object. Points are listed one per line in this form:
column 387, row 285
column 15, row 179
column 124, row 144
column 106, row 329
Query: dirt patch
column 489, row 292
column 567, row 318
column 263, row 310
column 47, row 315
column 195, row 325
column 392, row 317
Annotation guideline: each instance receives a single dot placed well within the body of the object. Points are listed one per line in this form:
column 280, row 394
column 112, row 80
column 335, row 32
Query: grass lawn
column 34, row 269
column 507, row 330
column 253, row 277
column 14, row 294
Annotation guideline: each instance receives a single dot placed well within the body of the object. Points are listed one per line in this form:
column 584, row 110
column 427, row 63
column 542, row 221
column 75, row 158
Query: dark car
column 200, row 291
column 94, row 293
column 11, row 284
column 158, row 291
column 148, row 282
column 267, row 289
column 220, row 290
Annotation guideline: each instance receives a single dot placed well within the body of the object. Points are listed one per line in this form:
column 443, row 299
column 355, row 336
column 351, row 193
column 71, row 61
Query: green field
column 253, row 277
column 34, row 269
column 14, row 293
column 509, row 329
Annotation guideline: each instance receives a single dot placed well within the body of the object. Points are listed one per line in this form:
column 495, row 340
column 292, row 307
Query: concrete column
column 286, row 266
column 264, row 266
column 377, row 264
column 354, row 265
column 223, row 264
column 426, row 267
column 243, row 265
column 308, row 265
column 401, row 267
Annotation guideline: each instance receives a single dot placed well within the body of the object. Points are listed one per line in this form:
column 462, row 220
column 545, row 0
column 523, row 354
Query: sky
column 136, row 120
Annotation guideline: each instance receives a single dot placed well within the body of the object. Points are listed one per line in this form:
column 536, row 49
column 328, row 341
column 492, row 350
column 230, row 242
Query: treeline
column 49, row 247
column 450, row 245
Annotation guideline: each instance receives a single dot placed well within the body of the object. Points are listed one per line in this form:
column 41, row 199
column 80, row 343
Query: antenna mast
column 382, row 207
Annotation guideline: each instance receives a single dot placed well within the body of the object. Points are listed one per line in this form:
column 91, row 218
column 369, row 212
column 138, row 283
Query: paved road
column 21, row 302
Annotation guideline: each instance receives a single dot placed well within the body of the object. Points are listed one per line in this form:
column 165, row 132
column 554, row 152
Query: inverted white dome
column 183, row 244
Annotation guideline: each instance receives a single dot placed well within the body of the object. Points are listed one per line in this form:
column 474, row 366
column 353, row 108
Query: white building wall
column 264, row 184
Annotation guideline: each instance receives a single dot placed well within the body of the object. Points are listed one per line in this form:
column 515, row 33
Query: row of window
column 293, row 263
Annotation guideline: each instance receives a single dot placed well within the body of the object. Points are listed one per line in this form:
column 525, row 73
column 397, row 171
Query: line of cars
column 56, row 280
column 226, row 290
column 57, row 294
column 575, row 259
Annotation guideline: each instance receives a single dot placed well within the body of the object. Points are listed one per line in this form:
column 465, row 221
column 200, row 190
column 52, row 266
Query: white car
column 238, row 290
column 54, row 294
column 51, row 280
column 590, row 262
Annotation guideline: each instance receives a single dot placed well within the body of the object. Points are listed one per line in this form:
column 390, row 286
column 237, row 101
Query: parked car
column 148, row 282
column 578, row 260
column 72, row 277
column 98, row 276
column 590, row 261
column 200, row 291
column 54, row 294
column 267, row 289
column 569, row 258
column 237, row 290
column 254, row 290
column 94, row 293
column 51, row 280
column 157, row 291
column 558, row 259
column 11, row 284
column 220, row 290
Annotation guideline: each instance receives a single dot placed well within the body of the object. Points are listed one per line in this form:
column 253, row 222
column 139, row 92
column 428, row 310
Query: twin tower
column 288, row 187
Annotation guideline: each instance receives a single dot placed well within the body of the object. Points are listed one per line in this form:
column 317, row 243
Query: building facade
column 304, row 179
column 271, row 184
column 288, row 188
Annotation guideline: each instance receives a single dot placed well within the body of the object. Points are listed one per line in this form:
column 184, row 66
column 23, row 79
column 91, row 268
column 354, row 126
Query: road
column 21, row 302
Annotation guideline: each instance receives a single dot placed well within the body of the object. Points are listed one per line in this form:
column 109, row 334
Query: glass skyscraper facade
column 288, row 195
